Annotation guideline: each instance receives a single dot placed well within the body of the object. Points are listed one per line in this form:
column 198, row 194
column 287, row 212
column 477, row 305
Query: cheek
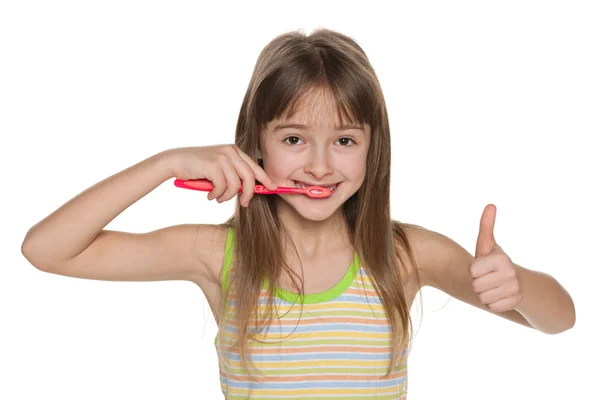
column 282, row 165
column 354, row 168
column 360, row 176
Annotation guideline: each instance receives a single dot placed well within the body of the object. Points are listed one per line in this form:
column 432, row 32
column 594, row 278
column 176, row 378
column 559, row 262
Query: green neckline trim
column 282, row 294
column 329, row 294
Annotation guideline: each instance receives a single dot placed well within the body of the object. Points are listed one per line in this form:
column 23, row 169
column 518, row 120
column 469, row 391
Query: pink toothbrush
column 315, row 192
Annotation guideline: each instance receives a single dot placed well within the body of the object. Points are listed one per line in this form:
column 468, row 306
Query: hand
column 495, row 277
column 226, row 166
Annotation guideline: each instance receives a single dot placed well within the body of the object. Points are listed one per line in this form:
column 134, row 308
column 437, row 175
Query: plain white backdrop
column 489, row 102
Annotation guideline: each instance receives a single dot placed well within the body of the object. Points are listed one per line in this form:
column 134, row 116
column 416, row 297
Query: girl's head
column 314, row 148
column 314, row 113
column 325, row 83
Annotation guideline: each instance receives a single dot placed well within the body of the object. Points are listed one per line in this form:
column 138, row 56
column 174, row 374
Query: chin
column 312, row 209
column 315, row 215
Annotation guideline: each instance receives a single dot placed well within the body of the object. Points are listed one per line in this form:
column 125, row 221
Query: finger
column 481, row 267
column 248, row 180
column 217, row 178
column 485, row 240
column 259, row 173
column 505, row 304
column 233, row 181
column 493, row 295
column 487, row 282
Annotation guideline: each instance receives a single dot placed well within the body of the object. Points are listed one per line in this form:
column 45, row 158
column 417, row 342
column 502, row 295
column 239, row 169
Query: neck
column 313, row 239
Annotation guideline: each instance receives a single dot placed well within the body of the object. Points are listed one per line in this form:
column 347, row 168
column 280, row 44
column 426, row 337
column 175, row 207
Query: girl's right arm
column 72, row 240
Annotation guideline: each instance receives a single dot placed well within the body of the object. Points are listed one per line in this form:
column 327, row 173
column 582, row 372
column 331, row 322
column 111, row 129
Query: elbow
column 29, row 251
column 569, row 323
column 564, row 329
column 572, row 319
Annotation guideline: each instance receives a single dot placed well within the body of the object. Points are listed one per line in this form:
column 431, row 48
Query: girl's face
column 314, row 149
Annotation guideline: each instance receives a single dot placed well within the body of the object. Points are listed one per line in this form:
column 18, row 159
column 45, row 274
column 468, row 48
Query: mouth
column 304, row 185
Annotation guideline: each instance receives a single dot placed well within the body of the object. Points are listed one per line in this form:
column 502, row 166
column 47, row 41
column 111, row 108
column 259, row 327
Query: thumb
column 486, row 242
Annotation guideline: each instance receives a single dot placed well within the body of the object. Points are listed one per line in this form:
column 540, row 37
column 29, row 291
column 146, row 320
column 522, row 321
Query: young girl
column 312, row 296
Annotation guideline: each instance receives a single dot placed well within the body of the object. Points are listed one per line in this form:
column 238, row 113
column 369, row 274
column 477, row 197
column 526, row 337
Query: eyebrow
column 304, row 127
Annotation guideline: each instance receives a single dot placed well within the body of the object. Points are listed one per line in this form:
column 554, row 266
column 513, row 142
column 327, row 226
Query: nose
column 319, row 164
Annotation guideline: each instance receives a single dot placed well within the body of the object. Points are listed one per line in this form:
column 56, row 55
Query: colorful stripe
column 334, row 345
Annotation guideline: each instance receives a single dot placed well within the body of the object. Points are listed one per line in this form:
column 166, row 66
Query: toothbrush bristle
column 318, row 192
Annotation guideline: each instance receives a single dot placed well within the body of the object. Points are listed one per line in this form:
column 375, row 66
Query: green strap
column 227, row 259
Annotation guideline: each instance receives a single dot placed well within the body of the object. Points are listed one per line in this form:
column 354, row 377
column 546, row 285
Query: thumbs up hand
column 495, row 277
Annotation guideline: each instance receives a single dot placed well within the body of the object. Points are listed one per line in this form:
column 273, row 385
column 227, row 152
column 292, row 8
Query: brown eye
column 292, row 140
column 345, row 141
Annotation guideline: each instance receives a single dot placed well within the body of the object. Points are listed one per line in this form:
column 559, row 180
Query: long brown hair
column 290, row 66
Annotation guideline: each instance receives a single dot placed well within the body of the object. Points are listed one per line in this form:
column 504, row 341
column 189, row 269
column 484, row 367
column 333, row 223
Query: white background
column 489, row 102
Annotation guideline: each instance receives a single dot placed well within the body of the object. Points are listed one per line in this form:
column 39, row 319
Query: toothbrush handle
column 280, row 189
column 195, row 184
column 206, row 186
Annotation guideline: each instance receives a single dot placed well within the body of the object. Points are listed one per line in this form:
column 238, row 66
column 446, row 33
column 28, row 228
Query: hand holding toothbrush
column 228, row 169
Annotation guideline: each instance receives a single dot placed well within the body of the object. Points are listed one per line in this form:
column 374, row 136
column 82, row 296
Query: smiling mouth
column 303, row 185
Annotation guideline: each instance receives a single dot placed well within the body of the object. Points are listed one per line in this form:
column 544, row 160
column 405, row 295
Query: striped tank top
column 332, row 345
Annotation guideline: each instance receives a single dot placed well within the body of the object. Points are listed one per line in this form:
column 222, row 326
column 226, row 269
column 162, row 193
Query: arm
column 70, row 229
column 545, row 304
column 72, row 241
column 444, row 264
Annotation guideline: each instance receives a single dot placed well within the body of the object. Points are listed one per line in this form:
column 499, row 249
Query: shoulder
column 435, row 254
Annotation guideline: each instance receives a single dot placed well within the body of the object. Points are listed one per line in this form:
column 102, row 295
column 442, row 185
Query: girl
column 312, row 296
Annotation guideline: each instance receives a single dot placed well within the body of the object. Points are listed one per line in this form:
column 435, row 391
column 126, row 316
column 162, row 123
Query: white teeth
column 303, row 186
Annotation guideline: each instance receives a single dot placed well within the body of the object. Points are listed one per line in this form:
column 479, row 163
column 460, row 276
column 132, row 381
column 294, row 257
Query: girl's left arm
column 491, row 281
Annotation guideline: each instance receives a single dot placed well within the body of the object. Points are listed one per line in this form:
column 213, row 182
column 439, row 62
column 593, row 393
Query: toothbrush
column 315, row 192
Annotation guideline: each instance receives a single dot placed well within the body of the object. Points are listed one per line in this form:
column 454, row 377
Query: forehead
column 316, row 108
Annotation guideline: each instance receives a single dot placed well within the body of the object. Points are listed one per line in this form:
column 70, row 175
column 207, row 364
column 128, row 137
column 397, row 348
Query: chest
column 315, row 347
column 329, row 275
column 317, row 275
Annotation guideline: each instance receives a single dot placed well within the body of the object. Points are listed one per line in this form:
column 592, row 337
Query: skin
column 62, row 244
column 319, row 154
